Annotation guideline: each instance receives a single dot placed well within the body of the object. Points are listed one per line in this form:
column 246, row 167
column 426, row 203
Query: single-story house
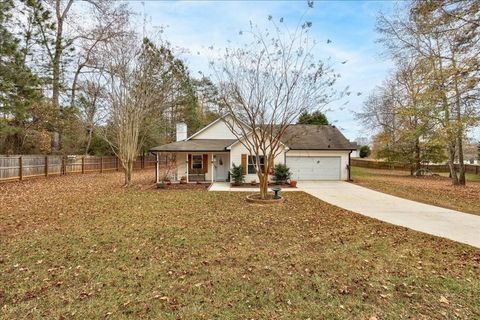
column 312, row 152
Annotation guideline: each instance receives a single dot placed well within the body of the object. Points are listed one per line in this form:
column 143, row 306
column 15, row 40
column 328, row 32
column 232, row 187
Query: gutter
column 349, row 166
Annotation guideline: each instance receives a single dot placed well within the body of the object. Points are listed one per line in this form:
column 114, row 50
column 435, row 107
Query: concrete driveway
column 451, row 224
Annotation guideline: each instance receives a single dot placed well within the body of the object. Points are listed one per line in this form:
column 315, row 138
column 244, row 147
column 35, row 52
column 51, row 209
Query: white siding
column 236, row 158
column 218, row 130
column 181, row 162
column 325, row 153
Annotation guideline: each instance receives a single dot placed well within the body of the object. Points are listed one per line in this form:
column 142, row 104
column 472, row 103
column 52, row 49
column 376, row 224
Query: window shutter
column 205, row 163
column 244, row 164
column 189, row 161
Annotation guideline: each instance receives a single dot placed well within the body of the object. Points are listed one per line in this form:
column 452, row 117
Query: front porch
column 193, row 167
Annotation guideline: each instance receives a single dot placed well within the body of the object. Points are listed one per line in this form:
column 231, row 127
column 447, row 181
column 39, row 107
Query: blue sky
column 193, row 26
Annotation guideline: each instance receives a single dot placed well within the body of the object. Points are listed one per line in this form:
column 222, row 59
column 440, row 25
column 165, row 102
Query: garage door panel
column 314, row 168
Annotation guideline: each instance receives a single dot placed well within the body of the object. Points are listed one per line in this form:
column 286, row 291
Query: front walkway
column 451, row 224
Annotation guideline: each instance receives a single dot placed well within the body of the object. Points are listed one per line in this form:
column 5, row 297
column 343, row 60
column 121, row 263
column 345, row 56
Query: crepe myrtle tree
column 267, row 83
column 140, row 86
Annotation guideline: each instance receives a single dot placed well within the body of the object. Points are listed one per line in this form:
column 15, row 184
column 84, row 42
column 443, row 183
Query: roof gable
column 217, row 129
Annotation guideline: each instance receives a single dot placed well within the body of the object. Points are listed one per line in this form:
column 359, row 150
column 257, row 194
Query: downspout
column 285, row 155
column 349, row 166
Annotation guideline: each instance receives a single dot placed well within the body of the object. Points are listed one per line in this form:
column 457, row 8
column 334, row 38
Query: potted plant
column 183, row 180
column 237, row 175
column 281, row 173
column 253, row 183
column 293, row 183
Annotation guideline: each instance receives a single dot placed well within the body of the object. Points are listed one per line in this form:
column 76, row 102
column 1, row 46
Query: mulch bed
column 248, row 185
column 188, row 186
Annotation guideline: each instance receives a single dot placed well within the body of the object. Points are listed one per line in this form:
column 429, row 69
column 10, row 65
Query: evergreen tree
column 18, row 87
column 316, row 117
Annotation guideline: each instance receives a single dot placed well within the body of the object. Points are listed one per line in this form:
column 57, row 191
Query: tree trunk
column 128, row 173
column 451, row 164
column 459, row 124
column 417, row 155
column 263, row 185
column 461, row 178
column 89, row 140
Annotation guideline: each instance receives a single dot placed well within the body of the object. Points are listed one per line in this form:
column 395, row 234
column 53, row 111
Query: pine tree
column 18, row 87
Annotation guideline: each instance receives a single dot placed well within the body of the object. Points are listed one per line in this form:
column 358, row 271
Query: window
column 251, row 167
column 197, row 161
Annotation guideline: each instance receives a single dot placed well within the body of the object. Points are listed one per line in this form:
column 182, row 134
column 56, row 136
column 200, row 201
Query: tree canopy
column 316, row 117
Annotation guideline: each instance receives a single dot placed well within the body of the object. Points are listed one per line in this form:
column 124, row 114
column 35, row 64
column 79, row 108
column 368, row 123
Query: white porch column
column 157, row 168
column 213, row 171
column 188, row 165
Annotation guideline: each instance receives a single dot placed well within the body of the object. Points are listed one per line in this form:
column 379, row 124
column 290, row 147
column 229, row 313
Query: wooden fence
column 374, row 164
column 18, row 167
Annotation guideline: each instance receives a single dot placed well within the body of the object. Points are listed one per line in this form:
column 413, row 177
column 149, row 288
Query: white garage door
column 314, row 168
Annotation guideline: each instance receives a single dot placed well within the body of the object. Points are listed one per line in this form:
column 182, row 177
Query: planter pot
column 183, row 181
column 161, row 185
column 255, row 198
column 237, row 184
column 293, row 183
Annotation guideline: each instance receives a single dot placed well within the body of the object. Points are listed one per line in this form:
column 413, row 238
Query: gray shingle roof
column 315, row 137
column 297, row 137
column 196, row 145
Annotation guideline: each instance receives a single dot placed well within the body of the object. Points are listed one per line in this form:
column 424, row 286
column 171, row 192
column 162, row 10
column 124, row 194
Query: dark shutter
column 244, row 164
column 205, row 163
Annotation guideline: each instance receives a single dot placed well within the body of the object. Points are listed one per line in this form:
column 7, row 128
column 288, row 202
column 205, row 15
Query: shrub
column 281, row 173
column 365, row 151
column 237, row 174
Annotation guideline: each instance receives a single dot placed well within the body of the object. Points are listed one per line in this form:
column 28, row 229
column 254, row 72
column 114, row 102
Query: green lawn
column 81, row 247
column 436, row 190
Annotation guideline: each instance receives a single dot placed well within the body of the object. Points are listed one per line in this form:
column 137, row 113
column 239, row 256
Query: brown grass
column 82, row 247
column 436, row 190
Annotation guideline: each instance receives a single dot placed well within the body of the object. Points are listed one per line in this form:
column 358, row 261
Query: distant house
column 312, row 152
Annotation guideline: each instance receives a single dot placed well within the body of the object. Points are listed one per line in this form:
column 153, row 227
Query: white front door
column 221, row 167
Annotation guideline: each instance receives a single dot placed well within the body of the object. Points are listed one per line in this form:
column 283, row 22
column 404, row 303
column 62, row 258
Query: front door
column 221, row 167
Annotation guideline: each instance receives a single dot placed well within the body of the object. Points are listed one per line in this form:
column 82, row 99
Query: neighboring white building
column 312, row 152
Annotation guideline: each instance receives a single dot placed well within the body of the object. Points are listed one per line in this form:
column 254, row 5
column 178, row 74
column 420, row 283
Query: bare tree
column 140, row 86
column 60, row 34
column 444, row 36
column 400, row 113
column 266, row 84
column 92, row 104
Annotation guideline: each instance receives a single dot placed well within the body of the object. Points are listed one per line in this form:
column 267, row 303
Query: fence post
column 143, row 161
column 101, row 164
column 20, row 168
column 83, row 164
column 63, row 170
column 46, row 166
